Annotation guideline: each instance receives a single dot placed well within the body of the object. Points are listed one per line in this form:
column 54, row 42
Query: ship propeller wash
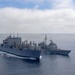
column 14, row 45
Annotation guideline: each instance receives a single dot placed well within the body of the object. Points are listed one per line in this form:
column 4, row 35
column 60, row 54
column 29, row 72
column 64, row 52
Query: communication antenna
column 45, row 39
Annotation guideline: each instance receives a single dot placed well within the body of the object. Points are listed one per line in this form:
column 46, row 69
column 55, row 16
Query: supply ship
column 14, row 45
column 52, row 48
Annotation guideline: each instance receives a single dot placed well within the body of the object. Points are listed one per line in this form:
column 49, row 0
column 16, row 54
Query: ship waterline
column 59, row 51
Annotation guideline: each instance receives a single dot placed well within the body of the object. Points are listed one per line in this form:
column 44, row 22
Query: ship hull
column 22, row 53
column 59, row 52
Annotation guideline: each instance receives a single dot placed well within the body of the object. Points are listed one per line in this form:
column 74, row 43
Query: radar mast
column 45, row 40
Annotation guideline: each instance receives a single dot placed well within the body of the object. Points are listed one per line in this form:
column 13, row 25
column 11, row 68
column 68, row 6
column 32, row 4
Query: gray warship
column 14, row 45
column 52, row 48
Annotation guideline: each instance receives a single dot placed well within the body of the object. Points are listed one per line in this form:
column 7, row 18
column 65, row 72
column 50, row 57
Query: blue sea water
column 48, row 65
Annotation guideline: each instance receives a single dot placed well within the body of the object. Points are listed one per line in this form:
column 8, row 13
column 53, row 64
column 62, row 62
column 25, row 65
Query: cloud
column 62, row 3
column 59, row 19
column 37, row 21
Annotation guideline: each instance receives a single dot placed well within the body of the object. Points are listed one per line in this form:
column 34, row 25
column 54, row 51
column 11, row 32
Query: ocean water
column 48, row 64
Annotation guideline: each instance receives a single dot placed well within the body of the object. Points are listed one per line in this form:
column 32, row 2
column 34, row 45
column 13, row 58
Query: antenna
column 45, row 39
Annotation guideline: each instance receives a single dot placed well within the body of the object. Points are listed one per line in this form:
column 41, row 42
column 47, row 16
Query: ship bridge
column 52, row 45
column 12, row 40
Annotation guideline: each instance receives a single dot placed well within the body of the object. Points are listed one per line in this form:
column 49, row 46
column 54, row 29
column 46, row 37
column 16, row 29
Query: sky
column 37, row 16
